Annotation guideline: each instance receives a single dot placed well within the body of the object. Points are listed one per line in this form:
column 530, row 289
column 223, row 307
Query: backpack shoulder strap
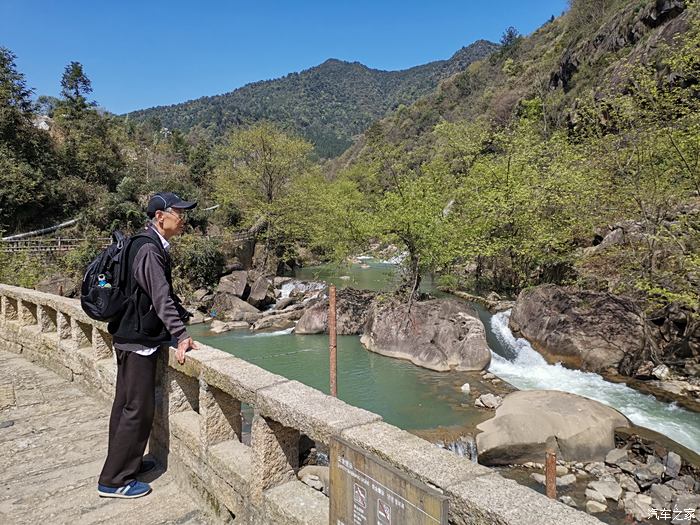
column 128, row 245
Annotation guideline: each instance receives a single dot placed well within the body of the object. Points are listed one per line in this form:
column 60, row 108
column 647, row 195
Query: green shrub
column 448, row 281
column 76, row 261
column 197, row 262
column 23, row 269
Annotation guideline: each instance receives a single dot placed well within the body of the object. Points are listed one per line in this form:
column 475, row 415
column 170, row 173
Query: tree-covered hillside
column 568, row 156
column 328, row 104
column 577, row 57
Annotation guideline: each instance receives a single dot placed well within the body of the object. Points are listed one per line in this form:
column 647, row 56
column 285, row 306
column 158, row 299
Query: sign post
column 366, row 490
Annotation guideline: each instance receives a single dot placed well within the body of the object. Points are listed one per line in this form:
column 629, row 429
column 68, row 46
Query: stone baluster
column 80, row 333
column 63, row 325
column 101, row 343
column 275, row 455
column 220, row 415
column 182, row 392
column 46, row 318
column 27, row 313
column 9, row 308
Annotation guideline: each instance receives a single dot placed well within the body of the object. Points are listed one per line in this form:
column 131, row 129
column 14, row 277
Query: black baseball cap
column 165, row 200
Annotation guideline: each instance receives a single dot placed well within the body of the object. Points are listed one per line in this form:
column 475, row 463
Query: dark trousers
column 132, row 417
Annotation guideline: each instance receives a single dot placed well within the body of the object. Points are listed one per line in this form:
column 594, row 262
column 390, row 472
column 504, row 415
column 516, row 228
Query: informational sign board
column 368, row 491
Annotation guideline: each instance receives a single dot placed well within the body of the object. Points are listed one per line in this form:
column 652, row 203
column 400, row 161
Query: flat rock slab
column 50, row 458
column 584, row 430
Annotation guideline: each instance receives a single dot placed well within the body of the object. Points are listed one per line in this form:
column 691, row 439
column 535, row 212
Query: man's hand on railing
column 182, row 347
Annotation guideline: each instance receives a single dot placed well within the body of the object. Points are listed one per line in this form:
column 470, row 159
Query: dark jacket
column 154, row 315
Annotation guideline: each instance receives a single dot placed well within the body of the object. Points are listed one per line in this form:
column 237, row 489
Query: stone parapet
column 198, row 427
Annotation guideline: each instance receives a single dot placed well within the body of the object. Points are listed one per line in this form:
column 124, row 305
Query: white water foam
column 465, row 446
column 528, row 370
column 287, row 288
column 303, row 286
column 276, row 332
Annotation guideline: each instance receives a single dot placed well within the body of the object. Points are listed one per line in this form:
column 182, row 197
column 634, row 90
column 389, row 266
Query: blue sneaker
column 134, row 489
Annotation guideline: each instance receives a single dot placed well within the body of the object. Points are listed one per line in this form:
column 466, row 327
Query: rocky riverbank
column 636, row 474
column 247, row 300
column 610, row 335
column 606, row 466
column 639, row 479
column 437, row 334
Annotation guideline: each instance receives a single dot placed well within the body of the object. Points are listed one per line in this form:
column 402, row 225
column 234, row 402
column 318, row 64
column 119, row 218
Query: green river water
column 426, row 402
column 407, row 396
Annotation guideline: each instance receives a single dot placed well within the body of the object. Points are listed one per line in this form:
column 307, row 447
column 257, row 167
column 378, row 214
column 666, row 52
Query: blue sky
column 142, row 54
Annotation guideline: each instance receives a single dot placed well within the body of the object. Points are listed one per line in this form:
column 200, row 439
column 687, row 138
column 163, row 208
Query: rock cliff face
column 438, row 334
column 659, row 21
column 676, row 333
column 605, row 333
column 586, row 330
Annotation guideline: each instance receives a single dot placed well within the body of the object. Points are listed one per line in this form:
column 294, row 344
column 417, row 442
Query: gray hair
column 153, row 221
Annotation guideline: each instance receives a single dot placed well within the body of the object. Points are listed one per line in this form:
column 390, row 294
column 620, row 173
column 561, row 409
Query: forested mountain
column 572, row 60
column 327, row 104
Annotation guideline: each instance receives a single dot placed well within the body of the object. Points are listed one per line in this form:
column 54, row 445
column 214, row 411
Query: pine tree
column 75, row 85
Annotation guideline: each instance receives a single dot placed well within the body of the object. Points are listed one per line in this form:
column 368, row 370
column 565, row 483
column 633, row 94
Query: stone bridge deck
column 53, row 441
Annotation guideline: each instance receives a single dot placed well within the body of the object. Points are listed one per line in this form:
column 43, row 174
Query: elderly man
column 153, row 319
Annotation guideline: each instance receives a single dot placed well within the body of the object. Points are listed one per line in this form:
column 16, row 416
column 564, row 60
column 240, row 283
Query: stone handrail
column 198, row 427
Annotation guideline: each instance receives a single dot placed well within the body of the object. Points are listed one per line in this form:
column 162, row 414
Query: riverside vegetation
column 570, row 156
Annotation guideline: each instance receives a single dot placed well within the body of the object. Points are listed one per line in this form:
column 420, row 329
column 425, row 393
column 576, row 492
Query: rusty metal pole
column 550, row 473
column 333, row 346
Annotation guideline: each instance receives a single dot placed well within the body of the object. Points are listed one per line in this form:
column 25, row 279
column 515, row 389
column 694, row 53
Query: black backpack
column 103, row 294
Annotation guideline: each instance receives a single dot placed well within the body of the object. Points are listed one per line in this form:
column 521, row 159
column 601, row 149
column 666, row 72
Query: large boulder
column 439, row 334
column 235, row 283
column 351, row 313
column 228, row 306
column 58, row 284
column 219, row 327
column 582, row 429
column 283, row 303
column 202, row 300
column 582, row 329
column 281, row 281
column 199, row 294
column 303, row 291
column 280, row 321
column 197, row 317
column 262, row 292
column 315, row 476
column 624, row 232
column 265, row 261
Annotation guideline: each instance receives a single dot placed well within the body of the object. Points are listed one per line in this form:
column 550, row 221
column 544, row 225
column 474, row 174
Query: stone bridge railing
column 198, row 427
